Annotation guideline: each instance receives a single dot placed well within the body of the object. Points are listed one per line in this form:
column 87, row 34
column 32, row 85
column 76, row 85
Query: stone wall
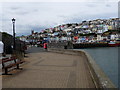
column 57, row 45
column 60, row 45
column 7, row 39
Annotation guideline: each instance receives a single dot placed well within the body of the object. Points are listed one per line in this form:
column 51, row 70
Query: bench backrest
column 1, row 61
column 9, row 61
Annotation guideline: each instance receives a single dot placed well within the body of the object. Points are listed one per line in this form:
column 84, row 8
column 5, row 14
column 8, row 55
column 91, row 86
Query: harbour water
column 107, row 59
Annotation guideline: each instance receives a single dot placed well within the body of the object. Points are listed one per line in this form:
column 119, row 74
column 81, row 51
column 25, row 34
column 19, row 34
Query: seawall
column 98, row 76
column 89, row 45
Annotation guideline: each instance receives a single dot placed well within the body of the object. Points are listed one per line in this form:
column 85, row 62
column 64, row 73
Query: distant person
column 45, row 46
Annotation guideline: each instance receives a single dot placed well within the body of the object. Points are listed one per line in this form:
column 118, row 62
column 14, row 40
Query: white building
column 1, row 47
column 68, row 29
column 1, row 44
column 105, row 28
column 99, row 31
column 99, row 37
column 22, row 38
column 112, row 37
column 63, row 38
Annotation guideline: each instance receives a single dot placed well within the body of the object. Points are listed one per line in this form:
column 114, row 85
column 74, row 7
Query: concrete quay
column 53, row 69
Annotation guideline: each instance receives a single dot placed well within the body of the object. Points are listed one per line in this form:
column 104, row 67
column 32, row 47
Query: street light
column 14, row 45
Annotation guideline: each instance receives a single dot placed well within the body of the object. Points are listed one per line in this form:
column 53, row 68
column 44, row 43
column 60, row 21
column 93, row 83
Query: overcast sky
column 41, row 15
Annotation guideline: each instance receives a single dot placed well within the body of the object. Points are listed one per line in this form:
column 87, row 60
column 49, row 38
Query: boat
column 114, row 44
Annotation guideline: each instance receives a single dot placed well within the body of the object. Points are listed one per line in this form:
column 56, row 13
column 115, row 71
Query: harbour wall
column 63, row 45
column 89, row 45
column 98, row 76
column 70, row 45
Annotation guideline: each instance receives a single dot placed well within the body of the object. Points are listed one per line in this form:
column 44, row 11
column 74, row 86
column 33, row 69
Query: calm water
column 107, row 59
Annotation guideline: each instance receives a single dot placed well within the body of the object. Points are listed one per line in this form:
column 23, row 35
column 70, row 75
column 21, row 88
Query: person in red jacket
column 45, row 46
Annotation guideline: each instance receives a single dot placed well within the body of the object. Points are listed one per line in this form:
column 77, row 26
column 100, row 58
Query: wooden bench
column 9, row 63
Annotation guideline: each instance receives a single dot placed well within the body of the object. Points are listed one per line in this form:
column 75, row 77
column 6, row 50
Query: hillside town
column 99, row 30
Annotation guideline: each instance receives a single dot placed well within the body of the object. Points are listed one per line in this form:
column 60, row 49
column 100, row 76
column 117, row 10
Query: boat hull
column 114, row 45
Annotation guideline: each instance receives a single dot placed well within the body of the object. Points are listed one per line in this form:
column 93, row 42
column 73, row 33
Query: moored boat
column 114, row 44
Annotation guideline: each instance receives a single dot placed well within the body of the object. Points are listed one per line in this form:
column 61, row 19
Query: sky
column 39, row 15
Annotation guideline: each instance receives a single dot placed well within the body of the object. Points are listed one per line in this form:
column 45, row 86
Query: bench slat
column 8, row 60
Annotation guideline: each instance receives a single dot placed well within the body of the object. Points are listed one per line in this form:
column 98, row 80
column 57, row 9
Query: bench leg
column 6, row 72
column 18, row 67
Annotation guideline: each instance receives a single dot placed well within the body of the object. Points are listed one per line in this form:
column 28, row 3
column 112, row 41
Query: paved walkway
column 50, row 70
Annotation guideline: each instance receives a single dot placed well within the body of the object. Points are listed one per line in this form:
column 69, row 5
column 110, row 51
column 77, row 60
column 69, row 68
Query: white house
column 112, row 37
column 23, row 38
column 1, row 44
column 64, row 38
column 68, row 29
column 1, row 47
column 99, row 37
column 99, row 31
column 105, row 28
column 69, row 33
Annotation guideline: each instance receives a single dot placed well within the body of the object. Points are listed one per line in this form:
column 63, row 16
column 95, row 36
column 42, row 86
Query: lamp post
column 14, row 45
